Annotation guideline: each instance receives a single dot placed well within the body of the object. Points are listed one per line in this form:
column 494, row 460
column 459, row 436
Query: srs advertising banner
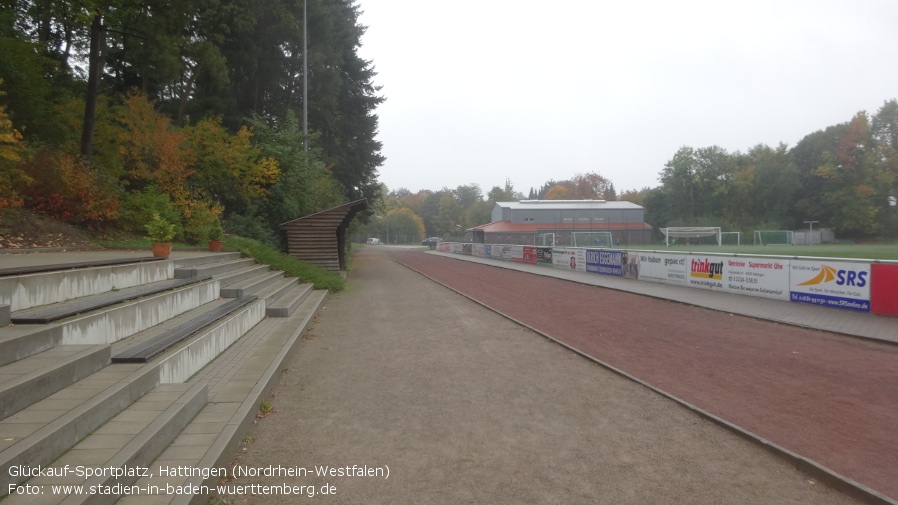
column 831, row 284
column 764, row 277
column 570, row 259
column 662, row 267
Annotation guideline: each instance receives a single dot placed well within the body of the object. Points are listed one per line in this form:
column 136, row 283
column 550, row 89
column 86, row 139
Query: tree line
column 843, row 177
column 110, row 109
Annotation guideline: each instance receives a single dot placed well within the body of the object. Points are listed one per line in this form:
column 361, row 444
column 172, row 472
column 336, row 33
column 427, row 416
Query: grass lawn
column 856, row 251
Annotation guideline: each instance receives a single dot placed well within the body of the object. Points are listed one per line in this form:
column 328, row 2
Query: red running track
column 830, row 398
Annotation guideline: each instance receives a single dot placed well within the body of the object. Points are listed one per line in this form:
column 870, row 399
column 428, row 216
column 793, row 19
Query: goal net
column 691, row 234
column 774, row 237
column 545, row 239
column 591, row 239
column 731, row 238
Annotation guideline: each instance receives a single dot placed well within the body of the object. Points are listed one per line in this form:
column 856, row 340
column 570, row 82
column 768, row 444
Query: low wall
column 859, row 285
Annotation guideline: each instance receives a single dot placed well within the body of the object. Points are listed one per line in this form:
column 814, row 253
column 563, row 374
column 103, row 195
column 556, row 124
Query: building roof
column 568, row 205
column 509, row 227
column 320, row 238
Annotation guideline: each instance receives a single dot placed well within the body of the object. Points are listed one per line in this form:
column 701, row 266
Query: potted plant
column 215, row 236
column 160, row 232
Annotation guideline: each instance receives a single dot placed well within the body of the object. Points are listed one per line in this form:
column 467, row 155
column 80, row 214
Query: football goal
column 545, row 239
column 691, row 234
column 731, row 238
column 591, row 239
column 774, row 237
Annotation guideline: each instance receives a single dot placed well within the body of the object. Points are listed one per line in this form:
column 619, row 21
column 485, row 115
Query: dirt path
column 830, row 398
column 464, row 406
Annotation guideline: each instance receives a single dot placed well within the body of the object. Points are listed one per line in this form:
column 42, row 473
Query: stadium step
column 32, row 379
column 239, row 380
column 251, row 285
column 54, row 312
column 286, row 304
column 204, row 269
column 60, row 384
column 234, row 276
column 129, row 441
column 61, row 284
column 151, row 348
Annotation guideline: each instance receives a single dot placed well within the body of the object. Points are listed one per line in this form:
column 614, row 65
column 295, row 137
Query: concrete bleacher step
column 42, row 432
column 48, row 313
column 149, row 349
column 251, row 285
column 107, row 325
column 132, row 439
column 241, row 274
column 276, row 290
column 288, row 302
column 239, row 380
column 205, row 259
column 5, row 314
column 25, row 291
column 218, row 267
column 27, row 381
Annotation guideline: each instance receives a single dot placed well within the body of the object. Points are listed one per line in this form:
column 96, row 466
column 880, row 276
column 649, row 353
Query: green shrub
column 199, row 224
column 292, row 266
column 140, row 206
column 159, row 230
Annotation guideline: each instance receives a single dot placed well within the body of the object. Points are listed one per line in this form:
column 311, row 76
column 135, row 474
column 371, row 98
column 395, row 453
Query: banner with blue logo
column 604, row 261
column 831, row 284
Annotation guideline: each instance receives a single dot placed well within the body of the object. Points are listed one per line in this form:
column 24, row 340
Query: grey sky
column 481, row 90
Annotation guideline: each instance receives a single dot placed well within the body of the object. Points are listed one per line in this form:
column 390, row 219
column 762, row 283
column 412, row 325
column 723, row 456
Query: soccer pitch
column 859, row 251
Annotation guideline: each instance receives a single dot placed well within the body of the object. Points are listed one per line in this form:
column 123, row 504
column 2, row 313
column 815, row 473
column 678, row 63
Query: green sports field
column 862, row 251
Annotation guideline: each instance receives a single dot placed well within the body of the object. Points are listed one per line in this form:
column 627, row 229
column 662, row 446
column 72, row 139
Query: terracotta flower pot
column 215, row 245
column 161, row 249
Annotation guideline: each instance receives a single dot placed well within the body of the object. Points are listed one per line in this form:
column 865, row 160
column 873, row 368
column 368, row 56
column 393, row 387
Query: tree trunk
column 96, row 65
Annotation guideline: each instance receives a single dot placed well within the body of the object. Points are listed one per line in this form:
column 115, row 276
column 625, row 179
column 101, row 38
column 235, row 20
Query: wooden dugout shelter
column 320, row 238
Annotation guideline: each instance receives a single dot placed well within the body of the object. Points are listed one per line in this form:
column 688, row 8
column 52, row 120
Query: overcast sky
column 478, row 91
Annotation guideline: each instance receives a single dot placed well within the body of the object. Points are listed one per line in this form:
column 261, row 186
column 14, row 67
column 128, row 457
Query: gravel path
column 464, row 406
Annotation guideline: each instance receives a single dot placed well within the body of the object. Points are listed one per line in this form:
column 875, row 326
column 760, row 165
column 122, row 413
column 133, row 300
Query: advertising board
column 662, row 267
column 764, row 277
column 704, row 271
column 831, row 284
column 569, row 258
column 513, row 253
column 604, row 261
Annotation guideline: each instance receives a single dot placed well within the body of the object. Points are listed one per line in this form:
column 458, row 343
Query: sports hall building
column 574, row 223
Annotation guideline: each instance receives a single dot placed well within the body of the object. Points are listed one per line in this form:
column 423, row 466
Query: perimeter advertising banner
column 513, row 253
column 529, row 255
column 478, row 250
column 704, row 271
column 662, row 267
column 764, row 277
column 831, row 284
column 883, row 295
column 604, row 261
column 455, row 248
column 544, row 255
column 496, row 251
column 569, row 258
